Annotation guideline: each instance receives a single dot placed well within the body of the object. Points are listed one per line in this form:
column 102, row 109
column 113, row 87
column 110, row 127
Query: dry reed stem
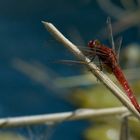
column 60, row 117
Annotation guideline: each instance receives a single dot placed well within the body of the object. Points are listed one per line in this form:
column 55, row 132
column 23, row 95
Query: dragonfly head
column 94, row 43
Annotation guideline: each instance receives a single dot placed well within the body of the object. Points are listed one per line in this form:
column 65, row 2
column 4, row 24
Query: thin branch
column 60, row 117
column 124, row 131
column 92, row 67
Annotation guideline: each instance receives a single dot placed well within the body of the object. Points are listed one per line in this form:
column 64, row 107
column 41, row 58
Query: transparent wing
column 109, row 27
column 118, row 44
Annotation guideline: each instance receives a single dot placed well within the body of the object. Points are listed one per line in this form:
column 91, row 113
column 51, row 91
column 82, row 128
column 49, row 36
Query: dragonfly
column 109, row 58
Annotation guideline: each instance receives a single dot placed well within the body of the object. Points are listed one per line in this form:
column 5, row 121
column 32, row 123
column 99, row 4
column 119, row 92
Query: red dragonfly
column 108, row 57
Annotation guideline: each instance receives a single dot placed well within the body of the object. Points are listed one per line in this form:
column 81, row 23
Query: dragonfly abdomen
column 122, row 80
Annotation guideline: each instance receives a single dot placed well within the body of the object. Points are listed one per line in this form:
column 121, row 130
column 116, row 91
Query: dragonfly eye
column 97, row 43
column 93, row 43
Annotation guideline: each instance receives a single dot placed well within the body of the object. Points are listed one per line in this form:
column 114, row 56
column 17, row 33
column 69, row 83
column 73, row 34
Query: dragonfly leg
column 100, row 65
column 91, row 60
column 100, row 62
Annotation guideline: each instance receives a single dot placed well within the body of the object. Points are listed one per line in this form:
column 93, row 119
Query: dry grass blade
column 59, row 117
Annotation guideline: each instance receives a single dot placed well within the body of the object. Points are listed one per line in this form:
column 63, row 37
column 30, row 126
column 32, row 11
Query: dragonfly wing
column 92, row 52
column 118, row 44
column 109, row 27
column 71, row 62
